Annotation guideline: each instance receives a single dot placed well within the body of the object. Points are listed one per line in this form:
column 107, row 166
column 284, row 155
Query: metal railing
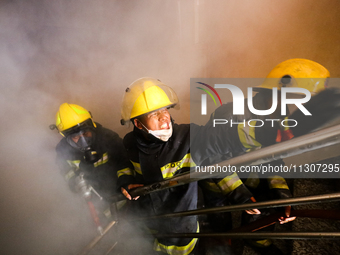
column 244, row 231
column 296, row 146
column 313, row 141
column 258, row 205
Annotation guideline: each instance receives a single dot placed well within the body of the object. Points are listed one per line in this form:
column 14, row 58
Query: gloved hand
column 324, row 108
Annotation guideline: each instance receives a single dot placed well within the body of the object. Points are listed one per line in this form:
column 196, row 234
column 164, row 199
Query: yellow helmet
column 297, row 72
column 146, row 95
column 71, row 117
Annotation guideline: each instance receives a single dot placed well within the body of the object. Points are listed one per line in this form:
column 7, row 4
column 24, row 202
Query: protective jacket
column 154, row 161
column 101, row 175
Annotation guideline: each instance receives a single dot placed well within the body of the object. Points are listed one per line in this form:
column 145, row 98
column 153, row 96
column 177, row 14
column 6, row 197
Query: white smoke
column 87, row 53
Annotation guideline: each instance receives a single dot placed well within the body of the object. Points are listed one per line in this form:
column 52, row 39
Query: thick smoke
column 88, row 52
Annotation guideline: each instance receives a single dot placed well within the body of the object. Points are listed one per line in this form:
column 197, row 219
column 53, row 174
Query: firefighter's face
column 82, row 140
column 156, row 120
column 75, row 138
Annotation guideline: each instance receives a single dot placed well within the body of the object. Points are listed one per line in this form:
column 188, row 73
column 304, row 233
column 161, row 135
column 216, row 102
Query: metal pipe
column 320, row 139
column 257, row 235
column 94, row 242
column 180, row 179
column 111, row 248
column 266, row 204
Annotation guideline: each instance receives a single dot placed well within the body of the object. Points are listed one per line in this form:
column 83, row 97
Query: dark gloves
column 324, row 108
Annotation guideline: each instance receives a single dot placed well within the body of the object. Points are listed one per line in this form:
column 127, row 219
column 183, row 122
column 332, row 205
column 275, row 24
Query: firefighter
column 298, row 73
column 159, row 149
column 89, row 157
column 294, row 73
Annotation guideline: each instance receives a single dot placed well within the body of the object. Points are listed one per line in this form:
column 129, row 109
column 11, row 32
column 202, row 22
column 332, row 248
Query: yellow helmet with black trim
column 297, row 72
column 71, row 117
column 146, row 95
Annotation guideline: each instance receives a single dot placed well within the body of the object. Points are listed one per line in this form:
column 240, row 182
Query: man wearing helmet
column 159, row 149
column 89, row 155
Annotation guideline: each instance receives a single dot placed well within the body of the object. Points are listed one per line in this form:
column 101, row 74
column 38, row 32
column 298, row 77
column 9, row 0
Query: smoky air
column 89, row 52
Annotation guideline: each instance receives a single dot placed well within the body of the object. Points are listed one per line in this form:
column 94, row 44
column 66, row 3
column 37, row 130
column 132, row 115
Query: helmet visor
column 75, row 129
column 81, row 140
